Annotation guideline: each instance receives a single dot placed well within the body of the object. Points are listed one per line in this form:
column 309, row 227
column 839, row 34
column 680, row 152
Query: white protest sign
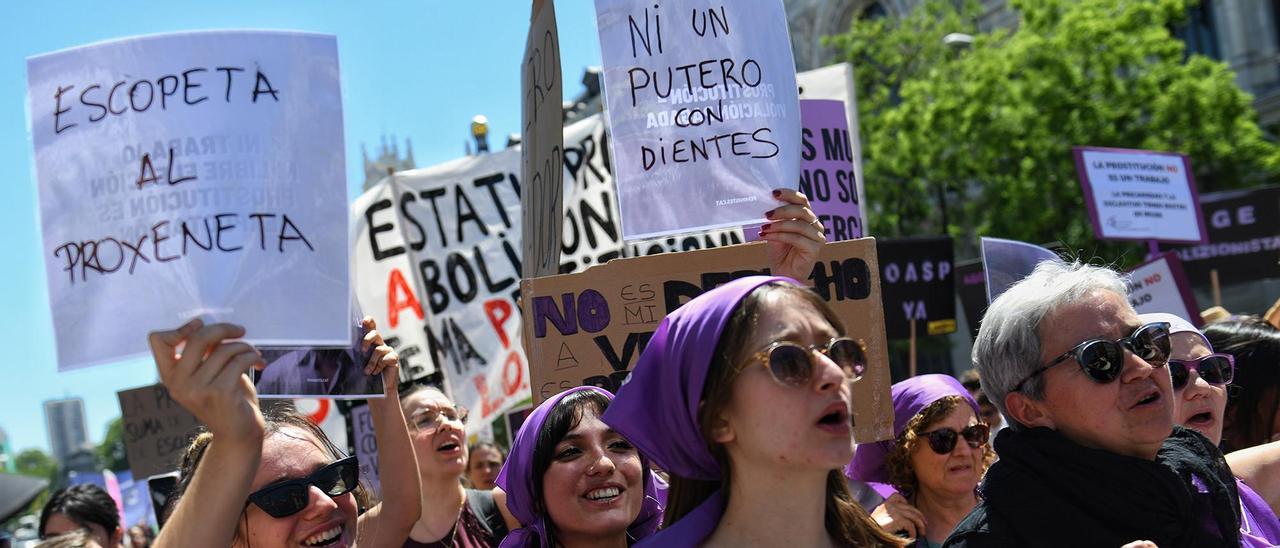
column 461, row 222
column 365, row 442
column 542, row 144
column 702, row 103
column 191, row 174
column 1007, row 262
column 1159, row 285
column 384, row 278
column 1140, row 195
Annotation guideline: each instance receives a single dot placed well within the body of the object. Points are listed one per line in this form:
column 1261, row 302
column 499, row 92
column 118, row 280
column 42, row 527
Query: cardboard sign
column 1007, row 262
column 1159, row 285
column 385, row 279
column 590, row 328
column 1140, row 195
column 701, row 98
column 542, row 144
column 191, row 174
column 918, row 285
column 1244, row 238
column 971, row 287
column 156, row 430
column 364, row 445
column 827, row 176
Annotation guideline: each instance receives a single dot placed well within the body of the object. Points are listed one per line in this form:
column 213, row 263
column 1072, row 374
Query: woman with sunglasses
column 1200, row 379
column 743, row 396
column 929, row 472
column 276, row 481
column 572, row 481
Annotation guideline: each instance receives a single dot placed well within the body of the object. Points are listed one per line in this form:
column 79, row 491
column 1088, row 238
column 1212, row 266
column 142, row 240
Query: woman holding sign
column 572, row 481
column 277, row 480
column 744, row 396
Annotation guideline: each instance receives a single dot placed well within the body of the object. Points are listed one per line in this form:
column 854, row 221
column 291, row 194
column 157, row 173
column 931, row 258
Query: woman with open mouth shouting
column 276, row 481
column 929, row 472
column 744, row 396
column 572, row 481
column 1200, row 381
column 452, row 515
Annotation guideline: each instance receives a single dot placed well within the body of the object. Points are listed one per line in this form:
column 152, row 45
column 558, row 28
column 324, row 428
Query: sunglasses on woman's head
column 791, row 364
column 1214, row 369
column 1103, row 360
column 943, row 440
column 290, row 497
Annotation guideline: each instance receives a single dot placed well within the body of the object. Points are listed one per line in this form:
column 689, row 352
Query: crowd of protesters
column 1086, row 425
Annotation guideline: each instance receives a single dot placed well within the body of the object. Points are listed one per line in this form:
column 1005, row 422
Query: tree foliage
column 988, row 130
column 111, row 453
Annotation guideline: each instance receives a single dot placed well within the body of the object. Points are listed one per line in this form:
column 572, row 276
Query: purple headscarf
column 516, row 479
column 657, row 409
column 910, row 397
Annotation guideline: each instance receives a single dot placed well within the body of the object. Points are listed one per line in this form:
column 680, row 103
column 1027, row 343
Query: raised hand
column 794, row 236
column 208, row 377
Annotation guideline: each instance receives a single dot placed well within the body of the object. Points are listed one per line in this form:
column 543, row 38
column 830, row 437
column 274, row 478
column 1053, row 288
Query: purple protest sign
column 1159, row 285
column 826, row 171
column 1140, row 195
column 366, row 447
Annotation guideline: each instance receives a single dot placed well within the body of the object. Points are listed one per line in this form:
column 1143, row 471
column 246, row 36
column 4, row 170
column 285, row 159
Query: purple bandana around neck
column 657, row 408
column 516, row 480
column 909, row 398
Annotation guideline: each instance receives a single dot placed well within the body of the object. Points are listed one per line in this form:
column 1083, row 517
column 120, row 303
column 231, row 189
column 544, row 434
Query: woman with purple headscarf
column 1200, row 380
column 743, row 396
column 929, row 473
column 573, row 481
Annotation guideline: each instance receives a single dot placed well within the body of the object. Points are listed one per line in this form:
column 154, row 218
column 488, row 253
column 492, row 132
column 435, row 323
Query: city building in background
column 1241, row 33
column 388, row 158
column 65, row 423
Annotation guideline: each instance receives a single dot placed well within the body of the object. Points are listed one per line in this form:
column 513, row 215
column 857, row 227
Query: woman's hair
column 83, row 504
column 277, row 417
column 1255, row 393
column 845, row 519
column 566, row 416
column 901, row 474
column 79, row 538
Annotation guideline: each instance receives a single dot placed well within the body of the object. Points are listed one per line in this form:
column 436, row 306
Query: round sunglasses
column 1102, row 360
column 289, row 497
column 1214, row 369
column 791, row 364
column 943, row 440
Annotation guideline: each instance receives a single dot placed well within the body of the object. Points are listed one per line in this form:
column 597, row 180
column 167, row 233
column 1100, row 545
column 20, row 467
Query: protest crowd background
column 753, row 273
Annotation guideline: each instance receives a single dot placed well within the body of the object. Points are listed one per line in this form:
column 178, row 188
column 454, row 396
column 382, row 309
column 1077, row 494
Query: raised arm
column 389, row 523
column 1259, row 467
column 208, row 380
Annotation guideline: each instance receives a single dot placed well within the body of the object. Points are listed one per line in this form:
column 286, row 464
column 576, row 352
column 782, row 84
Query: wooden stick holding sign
column 542, row 144
column 911, row 354
column 590, row 328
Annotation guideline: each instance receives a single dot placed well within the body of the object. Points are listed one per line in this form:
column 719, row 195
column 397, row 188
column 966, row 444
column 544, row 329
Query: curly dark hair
column 901, row 474
column 1255, row 394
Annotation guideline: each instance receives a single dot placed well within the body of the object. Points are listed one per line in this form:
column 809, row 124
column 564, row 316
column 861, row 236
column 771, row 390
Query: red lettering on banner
column 321, row 413
column 513, row 363
column 499, row 311
column 395, row 286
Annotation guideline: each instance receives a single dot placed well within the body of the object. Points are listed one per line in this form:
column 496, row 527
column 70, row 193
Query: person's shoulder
column 976, row 530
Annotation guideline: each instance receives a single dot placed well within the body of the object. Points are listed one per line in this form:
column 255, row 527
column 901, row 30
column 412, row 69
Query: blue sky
column 417, row 69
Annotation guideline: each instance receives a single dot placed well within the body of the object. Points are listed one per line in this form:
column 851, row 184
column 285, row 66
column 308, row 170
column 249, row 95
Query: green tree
column 111, row 452
column 988, row 131
column 35, row 463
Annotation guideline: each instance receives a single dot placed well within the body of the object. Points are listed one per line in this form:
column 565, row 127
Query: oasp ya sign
column 917, row 279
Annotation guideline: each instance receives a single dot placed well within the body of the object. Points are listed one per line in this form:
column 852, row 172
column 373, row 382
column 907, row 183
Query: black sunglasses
column 791, row 364
column 943, row 440
column 1103, row 360
column 1214, row 369
column 290, row 497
